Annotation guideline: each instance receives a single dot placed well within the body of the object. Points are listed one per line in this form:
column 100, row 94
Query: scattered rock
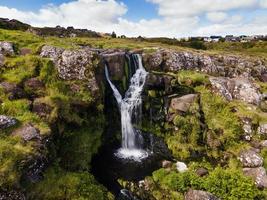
column 6, row 48
column 14, row 91
column 258, row 175
column 51, row 52
column 199, row 195
column 166, row 164
column 42, row 109
column 250, row 158
column 34, row 87
column 27, row 132
column 247, row 127
column 202, row 172
column 183, row 103
column 181, row 167
column 6, row 122
column 262, row 130
column 11, row 195
column 2, row 60
column 236, row 88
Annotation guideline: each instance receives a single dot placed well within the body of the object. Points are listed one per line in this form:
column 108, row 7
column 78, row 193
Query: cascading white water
column 129, row 105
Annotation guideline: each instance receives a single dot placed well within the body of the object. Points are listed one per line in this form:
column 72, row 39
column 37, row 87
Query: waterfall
column 131, row 105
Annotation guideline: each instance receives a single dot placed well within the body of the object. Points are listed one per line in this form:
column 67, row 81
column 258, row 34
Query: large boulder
column 258, row 175
column 6, row 122
column 6, row 48
column 28, row 133
column 153, row 61
column 199, row 195
column 236, row 88
column 74, row 64
column 250, row 158
column 183, row 103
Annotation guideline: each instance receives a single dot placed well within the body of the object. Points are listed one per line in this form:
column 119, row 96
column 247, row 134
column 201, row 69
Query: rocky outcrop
column 236, row 88
column 13, row 24
column 6, row 122
column 251, row 158
column 74, row 64
column 199, row 195
column 258, row 175
column 228, row 66
column 262, row 130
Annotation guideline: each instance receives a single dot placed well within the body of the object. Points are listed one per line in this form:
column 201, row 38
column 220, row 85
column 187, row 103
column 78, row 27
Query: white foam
column 132, row 154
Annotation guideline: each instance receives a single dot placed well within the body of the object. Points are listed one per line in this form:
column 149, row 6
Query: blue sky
column 151, row 18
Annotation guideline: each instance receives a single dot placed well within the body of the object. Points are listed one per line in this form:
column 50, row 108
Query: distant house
column 231, row 38
column 215, row 38
column 207, row 39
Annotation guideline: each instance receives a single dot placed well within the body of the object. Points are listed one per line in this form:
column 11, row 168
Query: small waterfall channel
column 131, row 104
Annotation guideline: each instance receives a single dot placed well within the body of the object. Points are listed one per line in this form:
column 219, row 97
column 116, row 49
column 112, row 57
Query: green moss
column 18, row 69
column 12, row 156
column 192, row 78
column 60, row 184
column 228, row 184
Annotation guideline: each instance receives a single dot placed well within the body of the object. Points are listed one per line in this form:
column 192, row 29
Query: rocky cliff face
column 203, row 105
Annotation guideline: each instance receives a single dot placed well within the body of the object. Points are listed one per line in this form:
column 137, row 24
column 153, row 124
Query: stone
column 51, row 52
column 236, row 88
column 202, row 172
column 41, row 108
column 27, row 132
column 116, row 63
column 183, row 103
column 153, row 61
column 14, row 91
column 250, row 158
column 258, row 175
column 2, row 60
column 25, row 51
column 35, row 87
column 11, row 195
column 199, row 195
column 263, row 77
column 6, row 48
column 7, row 122
column 247, row 127
column 262, row 130
column 181, row 167
column 166, row 164
column 263, row 144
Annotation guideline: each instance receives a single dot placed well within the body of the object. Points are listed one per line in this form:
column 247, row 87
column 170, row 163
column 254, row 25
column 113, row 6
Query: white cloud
column 176, row 17
column 216, row 16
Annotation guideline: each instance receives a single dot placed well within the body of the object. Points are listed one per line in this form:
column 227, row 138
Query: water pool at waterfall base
column 133, row 154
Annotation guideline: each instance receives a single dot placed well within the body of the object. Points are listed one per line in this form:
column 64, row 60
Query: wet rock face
column 6, row 122
column 115, row 62
column 230, row 66
column 14, row 91
column 6, row 48
column 27, row 133
column 258, row 175
column 236, row 88
column 250, row 158
column 199, row 195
